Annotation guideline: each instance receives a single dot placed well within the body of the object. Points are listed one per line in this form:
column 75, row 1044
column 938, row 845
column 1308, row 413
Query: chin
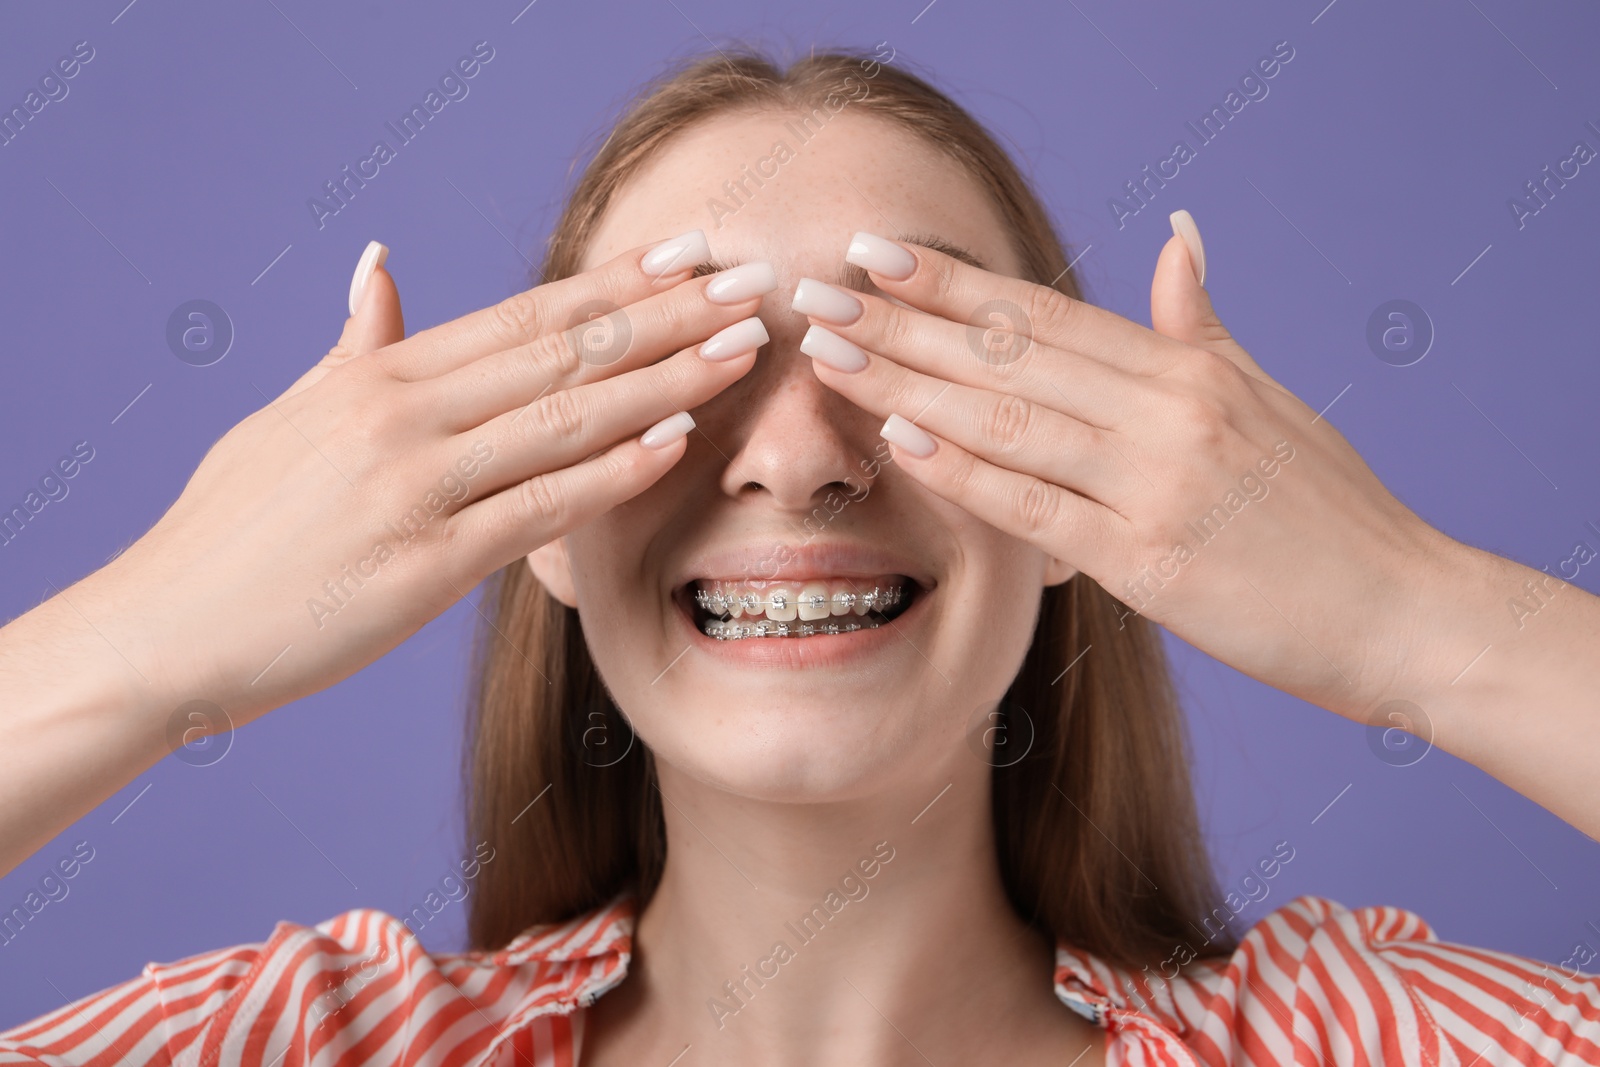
column 791, row 754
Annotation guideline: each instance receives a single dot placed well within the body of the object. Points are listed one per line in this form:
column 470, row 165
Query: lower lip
column 819, row 651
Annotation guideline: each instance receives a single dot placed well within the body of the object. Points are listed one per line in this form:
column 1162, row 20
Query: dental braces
column 736, row 631
column 752, row 604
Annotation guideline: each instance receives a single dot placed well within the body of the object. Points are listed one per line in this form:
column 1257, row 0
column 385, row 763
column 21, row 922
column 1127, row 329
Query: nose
column 794, row 441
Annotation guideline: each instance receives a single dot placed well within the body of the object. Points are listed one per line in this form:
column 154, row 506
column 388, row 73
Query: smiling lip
column 833, row 651
column 780, row 562
column 777, row 562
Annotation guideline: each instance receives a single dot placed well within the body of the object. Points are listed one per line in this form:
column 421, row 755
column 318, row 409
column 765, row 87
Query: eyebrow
column 851, row 276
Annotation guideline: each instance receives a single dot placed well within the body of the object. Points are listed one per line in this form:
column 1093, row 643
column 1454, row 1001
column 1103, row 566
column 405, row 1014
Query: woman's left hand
column 1164, row 464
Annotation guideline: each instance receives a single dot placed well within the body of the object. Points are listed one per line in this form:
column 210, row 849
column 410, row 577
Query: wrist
column 79, row 724
column 1460, row 615
column 60, row 670
column 1510, row 681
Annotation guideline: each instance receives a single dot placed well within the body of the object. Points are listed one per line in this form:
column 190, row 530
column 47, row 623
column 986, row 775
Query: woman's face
column 787, row 491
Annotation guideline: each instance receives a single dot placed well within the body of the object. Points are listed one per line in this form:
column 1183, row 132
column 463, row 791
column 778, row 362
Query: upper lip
column 782, row 561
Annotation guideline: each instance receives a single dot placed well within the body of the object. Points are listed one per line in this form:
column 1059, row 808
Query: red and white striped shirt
column 1312, row 983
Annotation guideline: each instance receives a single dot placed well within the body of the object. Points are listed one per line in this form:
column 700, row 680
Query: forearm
column 1513, row 683
column 77, row 723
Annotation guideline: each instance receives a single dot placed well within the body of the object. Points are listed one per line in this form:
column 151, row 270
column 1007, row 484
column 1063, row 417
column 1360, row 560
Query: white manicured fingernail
column 824, row 301
column 746, row 335
column 1183, row 225
column 881, row 256
column 742, row 282
column 371, row 259
column 825, row 346
column 668, row 430
column 908, row 435
column 680, row 253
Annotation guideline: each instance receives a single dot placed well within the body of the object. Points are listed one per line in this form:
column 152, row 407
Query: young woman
column 828, row 725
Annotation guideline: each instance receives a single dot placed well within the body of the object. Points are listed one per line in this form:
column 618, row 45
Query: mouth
column 796, row 609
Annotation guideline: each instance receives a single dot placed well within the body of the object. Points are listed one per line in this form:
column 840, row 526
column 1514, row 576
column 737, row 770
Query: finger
column 518, row 519
column 984, row 358
column 1180, row 306
column 624, row 340
column 375, row 318
column 549, row 308
column 952, row 289
column 378, row 321
column 1079, row 532
column 1002, row 428
column 570, row 425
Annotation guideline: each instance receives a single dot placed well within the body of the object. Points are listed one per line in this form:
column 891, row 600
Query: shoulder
column 352, row 983
column 1316, row 979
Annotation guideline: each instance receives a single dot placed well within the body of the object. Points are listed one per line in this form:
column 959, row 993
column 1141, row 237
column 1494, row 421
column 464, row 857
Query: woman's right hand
column 379, row 489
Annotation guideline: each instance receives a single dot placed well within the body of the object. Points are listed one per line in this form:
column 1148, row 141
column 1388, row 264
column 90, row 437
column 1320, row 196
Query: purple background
column 1378, row 167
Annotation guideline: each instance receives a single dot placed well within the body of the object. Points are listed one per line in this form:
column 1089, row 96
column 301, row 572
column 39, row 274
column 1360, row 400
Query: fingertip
column 378, row 321
column 372, row 257
column 880, row 255
column 676, row 255
column 1184, row 226
column 668, row 431
column 382, row 298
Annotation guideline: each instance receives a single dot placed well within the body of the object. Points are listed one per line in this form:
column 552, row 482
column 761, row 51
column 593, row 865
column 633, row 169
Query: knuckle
column 947, row 286
column 1050, row 312
column 1207, row 367
column 518, row 316
column 561, row 413
column 676, row 375
column 1007, row 422
column 555, row 357
column 375, row 423
column 1198, row 417
column 538, row 502
column 679, row 313
column 894, row 330
column 359, row 377
column 617, row 467
column 337, row 355
column 1037, row 507
column 963, row 475
column 897, row 391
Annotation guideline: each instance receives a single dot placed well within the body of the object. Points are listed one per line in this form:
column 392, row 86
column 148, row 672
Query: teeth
column 737, row 631
column 814, row 602
column 812, row 608
column 781, row 606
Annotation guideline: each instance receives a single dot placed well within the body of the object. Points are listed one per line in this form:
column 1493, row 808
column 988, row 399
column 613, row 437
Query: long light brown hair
column 1096, row 829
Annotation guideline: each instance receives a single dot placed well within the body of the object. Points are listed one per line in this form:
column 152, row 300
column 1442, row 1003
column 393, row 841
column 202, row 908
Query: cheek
column 620, row 604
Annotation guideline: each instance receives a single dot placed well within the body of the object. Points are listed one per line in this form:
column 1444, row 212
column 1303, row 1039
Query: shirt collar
column 577, row 960
column 1117, row 997
column 588, row 956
